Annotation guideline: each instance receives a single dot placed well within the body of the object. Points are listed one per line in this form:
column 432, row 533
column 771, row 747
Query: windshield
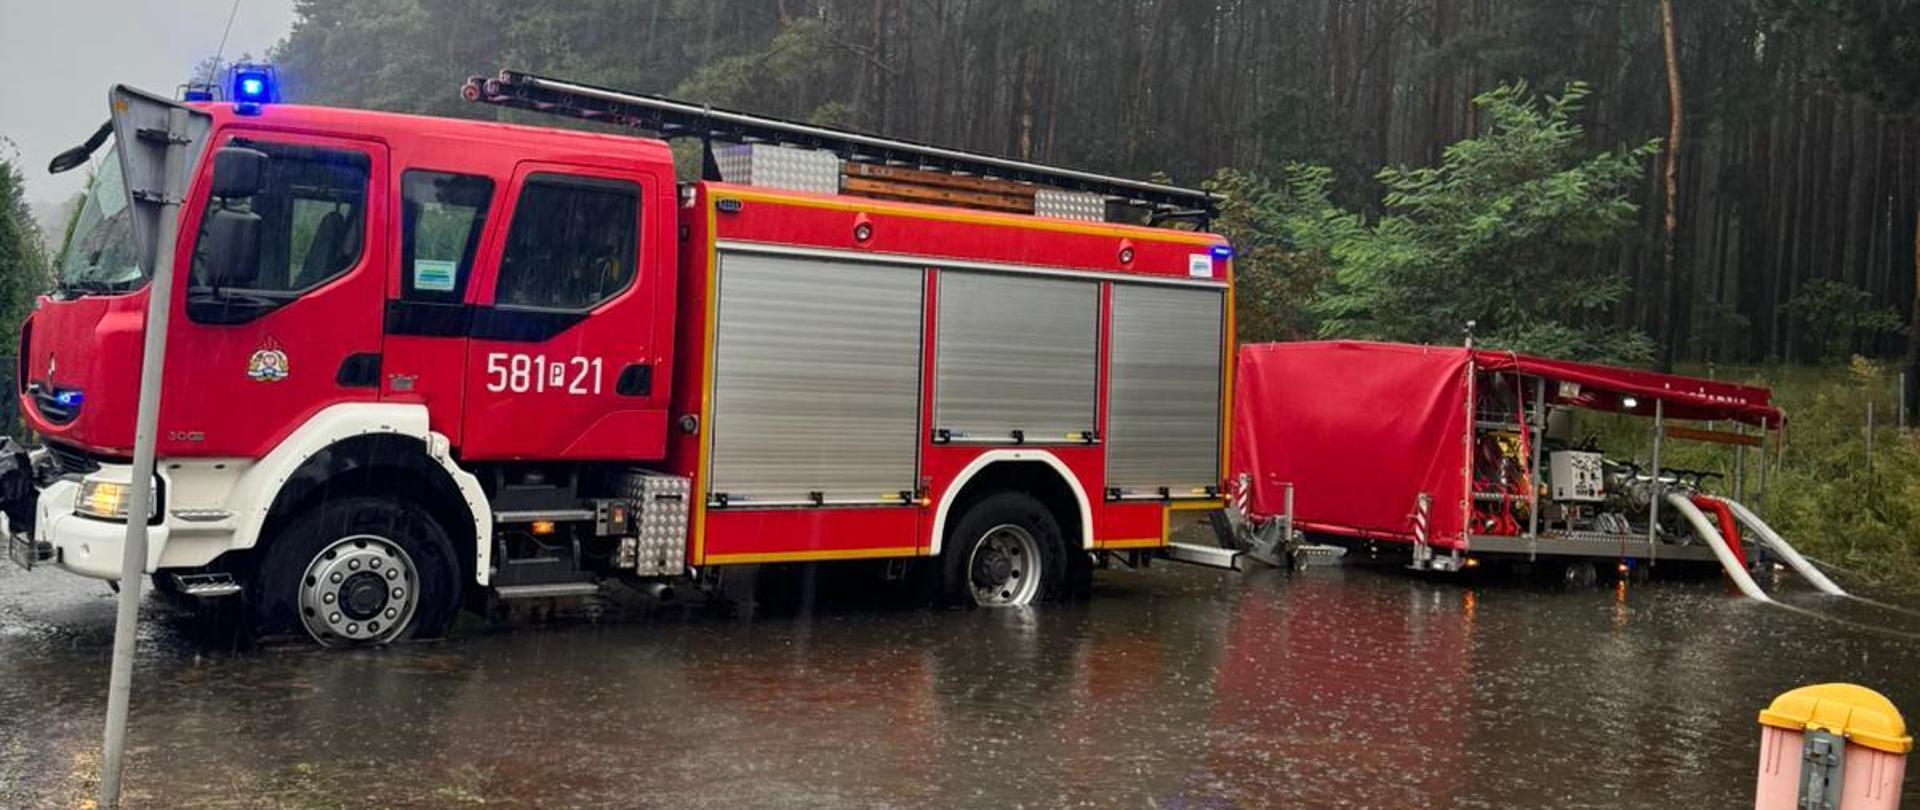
column 100, row 252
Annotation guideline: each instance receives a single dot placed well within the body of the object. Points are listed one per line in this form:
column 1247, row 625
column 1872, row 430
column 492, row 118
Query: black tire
column 1022, row 513
column 1579, row 574
column 402, row 530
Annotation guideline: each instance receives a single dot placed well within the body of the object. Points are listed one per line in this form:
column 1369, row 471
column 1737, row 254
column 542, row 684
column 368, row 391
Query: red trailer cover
column 1362, row 429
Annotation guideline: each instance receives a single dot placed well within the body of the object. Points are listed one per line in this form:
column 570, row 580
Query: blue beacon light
column 1222, row 252
column 252, row 86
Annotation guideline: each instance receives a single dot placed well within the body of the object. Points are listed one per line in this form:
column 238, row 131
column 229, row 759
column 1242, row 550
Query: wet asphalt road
column 1172, row 687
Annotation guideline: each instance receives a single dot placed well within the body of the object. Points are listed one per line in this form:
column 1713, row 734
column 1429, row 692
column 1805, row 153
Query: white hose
column 1711, row 535
column 1806, row 569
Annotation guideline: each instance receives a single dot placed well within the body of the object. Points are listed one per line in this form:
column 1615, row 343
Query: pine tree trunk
column 1670, row 317
column 1912, row 394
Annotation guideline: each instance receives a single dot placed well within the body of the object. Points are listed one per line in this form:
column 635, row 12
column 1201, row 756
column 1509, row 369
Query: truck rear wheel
column 1007, row 550
column 358, row 571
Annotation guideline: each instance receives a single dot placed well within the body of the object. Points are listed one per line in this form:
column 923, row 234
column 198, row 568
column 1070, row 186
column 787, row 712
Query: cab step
column 207, row 585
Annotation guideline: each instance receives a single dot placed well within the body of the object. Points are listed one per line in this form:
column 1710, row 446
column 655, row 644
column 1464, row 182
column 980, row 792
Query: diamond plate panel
column 759, row 164
column 659, row 546
column 1049, row 202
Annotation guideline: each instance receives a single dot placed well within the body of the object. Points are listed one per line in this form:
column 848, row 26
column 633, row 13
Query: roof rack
column 678, row 119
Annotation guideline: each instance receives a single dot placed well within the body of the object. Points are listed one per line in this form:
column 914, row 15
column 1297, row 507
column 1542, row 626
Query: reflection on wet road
column 1173, row 687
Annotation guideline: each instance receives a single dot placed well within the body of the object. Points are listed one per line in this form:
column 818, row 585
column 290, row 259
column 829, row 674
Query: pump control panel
column 1577, row 476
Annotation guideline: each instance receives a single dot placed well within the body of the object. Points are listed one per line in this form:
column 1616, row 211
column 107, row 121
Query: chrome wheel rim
column 1004, row 567
column 360, row 590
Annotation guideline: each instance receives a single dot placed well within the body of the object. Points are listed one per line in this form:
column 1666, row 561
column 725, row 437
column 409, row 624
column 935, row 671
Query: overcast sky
column 59, row 57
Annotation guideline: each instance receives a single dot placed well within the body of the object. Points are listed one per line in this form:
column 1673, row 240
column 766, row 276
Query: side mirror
column 232, row 247
column 77, row 156
column 238, row 172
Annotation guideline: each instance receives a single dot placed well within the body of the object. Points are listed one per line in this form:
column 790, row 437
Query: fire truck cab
column 413, row 360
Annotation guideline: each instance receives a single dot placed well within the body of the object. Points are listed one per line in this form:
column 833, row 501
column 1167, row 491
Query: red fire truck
column 415, row 360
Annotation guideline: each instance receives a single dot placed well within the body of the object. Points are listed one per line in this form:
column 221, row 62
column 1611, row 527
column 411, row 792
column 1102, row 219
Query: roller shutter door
column 1016, row 353
column 816, row 380
column 1163, row 407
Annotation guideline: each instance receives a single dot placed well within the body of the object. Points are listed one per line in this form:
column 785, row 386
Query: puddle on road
column 1172, row 687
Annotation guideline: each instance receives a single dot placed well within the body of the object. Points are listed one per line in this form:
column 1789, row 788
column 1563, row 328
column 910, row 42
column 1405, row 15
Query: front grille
column 71, row 461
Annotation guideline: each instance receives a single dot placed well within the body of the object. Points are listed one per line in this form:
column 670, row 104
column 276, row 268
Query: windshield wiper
column 77, row 288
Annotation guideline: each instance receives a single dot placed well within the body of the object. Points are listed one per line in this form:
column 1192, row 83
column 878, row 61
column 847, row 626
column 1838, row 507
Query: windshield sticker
column 433, row 275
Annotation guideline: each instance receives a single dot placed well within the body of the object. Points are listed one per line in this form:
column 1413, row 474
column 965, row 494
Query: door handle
column 636, row 380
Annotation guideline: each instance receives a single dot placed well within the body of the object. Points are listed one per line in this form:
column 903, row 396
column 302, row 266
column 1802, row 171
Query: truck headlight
column 101, row 498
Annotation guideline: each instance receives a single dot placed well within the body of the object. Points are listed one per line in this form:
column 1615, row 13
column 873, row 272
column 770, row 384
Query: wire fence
column 1882, row 411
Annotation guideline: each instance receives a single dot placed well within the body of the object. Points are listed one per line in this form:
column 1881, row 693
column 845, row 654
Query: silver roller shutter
column 1163, row 406
column 816, row 380
column 1016, row 353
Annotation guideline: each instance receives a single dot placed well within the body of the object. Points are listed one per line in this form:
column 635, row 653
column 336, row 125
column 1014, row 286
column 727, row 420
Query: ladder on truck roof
column 679, row 119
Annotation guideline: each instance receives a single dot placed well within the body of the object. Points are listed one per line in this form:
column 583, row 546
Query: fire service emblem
column 268, row 363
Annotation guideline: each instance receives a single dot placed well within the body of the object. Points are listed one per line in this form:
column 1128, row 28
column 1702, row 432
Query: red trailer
column 1456, row 453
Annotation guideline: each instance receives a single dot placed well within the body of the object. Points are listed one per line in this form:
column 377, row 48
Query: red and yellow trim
column 817, row 555
column 1166, row 526
column 706, row 385
column 1227, row 361
column 963, row 216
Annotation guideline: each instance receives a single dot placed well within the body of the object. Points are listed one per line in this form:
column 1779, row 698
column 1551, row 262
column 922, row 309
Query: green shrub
column 1821, row 492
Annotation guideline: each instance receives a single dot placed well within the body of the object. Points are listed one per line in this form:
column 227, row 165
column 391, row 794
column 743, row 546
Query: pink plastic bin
column 1867, row 731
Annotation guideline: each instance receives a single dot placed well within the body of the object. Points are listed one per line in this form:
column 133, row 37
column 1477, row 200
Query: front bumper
column 86, row 546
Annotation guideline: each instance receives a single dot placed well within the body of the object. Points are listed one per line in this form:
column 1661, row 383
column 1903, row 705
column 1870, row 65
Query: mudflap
column 17, row 490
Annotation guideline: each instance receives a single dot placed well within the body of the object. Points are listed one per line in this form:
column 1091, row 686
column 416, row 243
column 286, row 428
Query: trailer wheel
column 357, row 571
column 1007, row 550
column 1579, row 573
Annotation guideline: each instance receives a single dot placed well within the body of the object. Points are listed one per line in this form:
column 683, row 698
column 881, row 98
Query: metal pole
column 133, row 556
column 1760, row 475
column 1536, row 438
column 1653, row 486
column 1739, row 467
column 1288, row 506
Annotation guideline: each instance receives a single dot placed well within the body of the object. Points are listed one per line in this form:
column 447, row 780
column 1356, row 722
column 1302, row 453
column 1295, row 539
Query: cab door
column 248, row 363
column 444, row 232
column 567, row 348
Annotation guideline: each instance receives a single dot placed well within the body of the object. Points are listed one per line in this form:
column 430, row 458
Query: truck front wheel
column 1007, row 550
column 357, row 571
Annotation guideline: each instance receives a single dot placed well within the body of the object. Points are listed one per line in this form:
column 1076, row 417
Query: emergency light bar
column 677, row 119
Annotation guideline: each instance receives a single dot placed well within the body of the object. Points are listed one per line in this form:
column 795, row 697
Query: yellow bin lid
column 1857, row 713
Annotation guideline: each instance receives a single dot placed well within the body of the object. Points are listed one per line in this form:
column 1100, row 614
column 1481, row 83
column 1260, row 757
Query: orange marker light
column 542, row 527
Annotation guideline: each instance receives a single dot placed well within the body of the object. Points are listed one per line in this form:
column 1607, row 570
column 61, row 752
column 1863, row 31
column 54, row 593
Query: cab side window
column 444, row 215
column 312, row 206
column 573, row 243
